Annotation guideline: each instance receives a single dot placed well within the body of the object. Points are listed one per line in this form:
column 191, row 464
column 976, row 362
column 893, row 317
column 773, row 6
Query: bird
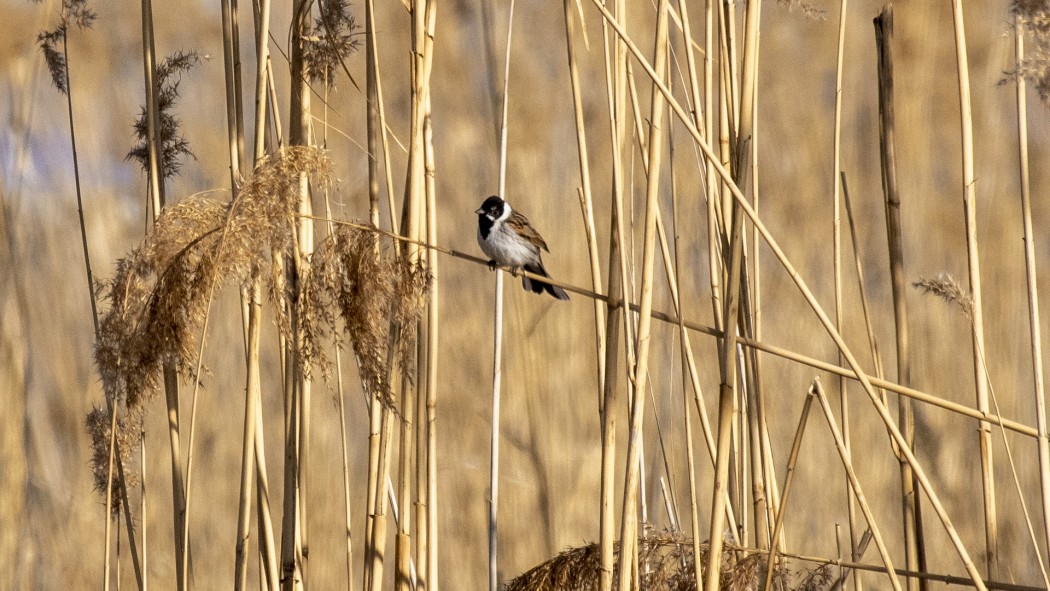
column 508, row 239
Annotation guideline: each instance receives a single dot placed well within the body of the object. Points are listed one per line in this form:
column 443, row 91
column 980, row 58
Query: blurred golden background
column 51, row 521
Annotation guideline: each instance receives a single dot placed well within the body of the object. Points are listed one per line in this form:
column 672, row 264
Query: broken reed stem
column 628, row 522
column 1042, row 444
column 789, row 477
column 847, row 464
column 991, row 553
column 911, row 518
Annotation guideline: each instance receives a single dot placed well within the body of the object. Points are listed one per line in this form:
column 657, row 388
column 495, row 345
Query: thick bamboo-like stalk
column 911, row 517
column 253, row 393
column 1042, row 443
column 628, row 522
column 789, row 477
column 991, row 527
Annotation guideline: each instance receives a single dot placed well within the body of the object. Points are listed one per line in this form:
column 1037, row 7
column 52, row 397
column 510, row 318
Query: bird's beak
column 480, row 211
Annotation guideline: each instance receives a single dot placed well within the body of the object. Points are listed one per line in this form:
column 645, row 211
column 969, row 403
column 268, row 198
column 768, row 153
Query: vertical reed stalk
column 171, row 380
column 252, row 397
column 980, row 371
column 433, row 326
column 616, row 94
column 586, row 199
column 629, row 524
column 497, row 337
column 1043, row 445
column 912, row 526
column 836, row 190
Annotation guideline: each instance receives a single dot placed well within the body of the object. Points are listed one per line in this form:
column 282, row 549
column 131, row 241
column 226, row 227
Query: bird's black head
column 492, row 208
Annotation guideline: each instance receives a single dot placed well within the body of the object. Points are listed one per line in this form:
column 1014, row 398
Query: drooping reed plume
column 158, row 298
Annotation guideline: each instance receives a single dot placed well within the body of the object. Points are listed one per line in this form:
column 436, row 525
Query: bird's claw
column 492, row 265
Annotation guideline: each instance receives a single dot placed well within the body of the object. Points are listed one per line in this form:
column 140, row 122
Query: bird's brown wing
column 521, row 225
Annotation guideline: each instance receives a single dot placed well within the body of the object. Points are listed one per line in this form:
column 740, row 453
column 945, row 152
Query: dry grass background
column 51, row 521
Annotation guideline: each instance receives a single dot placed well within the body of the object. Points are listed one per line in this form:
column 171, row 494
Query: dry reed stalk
column 1042, row 443
column 789, row 476
column 836, row 190
column 253, row 395
column 616, row 95
column 430, row 572
column 171, row 382
column 377, row 106
column 847, row 464
column 910, row 508
column 262, row 57
column 586, row 200
column 807, row 294
column 497, row 329
column 980, row 372
column 267, row 548
column 628, row 523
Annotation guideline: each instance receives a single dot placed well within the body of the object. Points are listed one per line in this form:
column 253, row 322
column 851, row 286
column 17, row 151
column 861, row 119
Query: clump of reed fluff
column 158, row 299
column 668, row 566
column 1033, row 16
column 948, row 289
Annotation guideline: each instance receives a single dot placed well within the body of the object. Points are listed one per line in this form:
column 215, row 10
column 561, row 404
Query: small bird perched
column 507, row 237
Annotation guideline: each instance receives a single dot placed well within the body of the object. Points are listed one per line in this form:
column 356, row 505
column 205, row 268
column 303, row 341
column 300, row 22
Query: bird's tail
column 537, row 286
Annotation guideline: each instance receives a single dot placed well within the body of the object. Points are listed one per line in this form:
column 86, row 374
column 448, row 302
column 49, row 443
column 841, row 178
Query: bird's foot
column 492, row 265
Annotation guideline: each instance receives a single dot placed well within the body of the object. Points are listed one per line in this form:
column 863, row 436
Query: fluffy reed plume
column 173, row 145
column 668, row 566
column 807, row 9
column 947, row 288
column 1033, row 16
column 159, row 296
column 331, row 40
column 379, row 298
column 73, row 12
column 129, row 434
